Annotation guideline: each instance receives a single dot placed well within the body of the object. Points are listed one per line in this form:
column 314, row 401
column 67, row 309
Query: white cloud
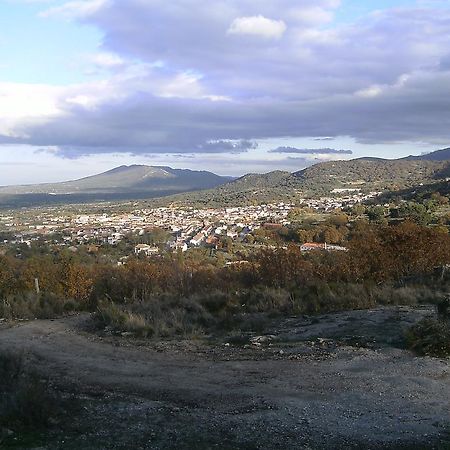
column 107, row 60
column 20, row 102
column 312, row 15
column 258, row 26
column 75, row 9
column 372, row 91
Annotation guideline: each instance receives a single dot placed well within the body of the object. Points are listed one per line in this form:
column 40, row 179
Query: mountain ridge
column 208, row 189
column 367, row 174
column 132, row 178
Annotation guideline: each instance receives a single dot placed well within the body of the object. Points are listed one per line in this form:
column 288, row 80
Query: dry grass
column 120, row 320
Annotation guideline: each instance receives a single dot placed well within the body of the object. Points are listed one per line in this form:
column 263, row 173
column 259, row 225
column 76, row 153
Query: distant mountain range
column 209, row 189
column 367, row 174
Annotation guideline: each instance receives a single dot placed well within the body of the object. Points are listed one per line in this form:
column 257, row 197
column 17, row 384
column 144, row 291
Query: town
column 181, row 227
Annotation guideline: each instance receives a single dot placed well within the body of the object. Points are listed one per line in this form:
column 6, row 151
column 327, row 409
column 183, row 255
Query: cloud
column 227, row 146
column 258, row 26
column 75, row 9
column 311, row 151
column 179, row 83
column 312, row 14
column 107, row 60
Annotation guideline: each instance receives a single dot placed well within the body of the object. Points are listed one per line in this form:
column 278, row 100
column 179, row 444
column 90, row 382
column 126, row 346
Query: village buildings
column 185, row 226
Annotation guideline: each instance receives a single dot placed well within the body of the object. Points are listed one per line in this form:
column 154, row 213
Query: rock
column 127, row 334
column 259, row 340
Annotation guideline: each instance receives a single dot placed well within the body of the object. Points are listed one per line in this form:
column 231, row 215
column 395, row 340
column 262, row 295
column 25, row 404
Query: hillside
column 246, row 190
column 208, row 189
column 367, row 174
column 438, row 155
column 372, row 174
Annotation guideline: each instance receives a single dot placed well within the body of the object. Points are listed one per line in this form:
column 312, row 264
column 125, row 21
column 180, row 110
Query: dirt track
column 298, row 392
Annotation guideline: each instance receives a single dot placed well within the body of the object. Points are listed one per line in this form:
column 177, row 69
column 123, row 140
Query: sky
column 231, row 86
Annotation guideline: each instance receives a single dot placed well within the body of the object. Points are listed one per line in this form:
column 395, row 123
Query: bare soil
column 337, row 381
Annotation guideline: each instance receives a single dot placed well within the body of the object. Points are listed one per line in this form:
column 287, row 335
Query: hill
column 367, row 174
column 246, row 190
column 370, row 174
column 208, row 189
column 438, row 155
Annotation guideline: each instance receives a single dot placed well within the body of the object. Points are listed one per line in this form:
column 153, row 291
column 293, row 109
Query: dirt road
column 288, row 391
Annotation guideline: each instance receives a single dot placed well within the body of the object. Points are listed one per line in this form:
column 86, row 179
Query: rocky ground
column 337, row 381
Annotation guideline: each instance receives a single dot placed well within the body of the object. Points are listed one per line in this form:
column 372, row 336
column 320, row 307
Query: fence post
column 36, row 285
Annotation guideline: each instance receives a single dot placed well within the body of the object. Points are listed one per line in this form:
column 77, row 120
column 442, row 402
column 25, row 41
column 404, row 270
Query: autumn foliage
column 376, row 255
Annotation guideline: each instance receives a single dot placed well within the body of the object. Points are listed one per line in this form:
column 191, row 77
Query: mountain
column 367, row 174
column 438, row 155
column 136, row 178
column 207, row 189
column 124, row 182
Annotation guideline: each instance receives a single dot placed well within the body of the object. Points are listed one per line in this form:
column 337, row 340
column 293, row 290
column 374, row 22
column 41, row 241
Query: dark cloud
column 383, row 79
column 311, row 151
column 418, row 110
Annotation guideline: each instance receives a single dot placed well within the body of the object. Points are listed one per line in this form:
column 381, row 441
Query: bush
column 430, row 337
column 120, row 320
column 26, row 401
column 29, row 306
column 267, row 299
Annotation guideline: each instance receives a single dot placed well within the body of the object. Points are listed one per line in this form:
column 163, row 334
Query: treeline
column 383, row 264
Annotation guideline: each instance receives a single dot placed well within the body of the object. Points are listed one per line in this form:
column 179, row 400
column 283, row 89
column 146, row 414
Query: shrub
column 405, row 295
column 26, row 401
column 29, row 305
column 121, row 320
column 430, row 337
column 267, row 299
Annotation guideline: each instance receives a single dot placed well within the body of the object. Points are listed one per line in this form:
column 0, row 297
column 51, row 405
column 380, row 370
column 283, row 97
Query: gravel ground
column 338, row 381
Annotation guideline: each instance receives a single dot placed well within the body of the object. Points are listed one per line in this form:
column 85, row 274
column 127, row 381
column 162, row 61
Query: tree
column 415, row 212
column 8, row 279
column 376, row 214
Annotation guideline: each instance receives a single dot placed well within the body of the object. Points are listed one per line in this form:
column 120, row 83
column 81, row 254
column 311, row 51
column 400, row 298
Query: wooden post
column 36, row 285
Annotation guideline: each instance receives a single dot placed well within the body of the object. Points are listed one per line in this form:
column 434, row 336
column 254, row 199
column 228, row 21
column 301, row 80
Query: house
column 179, row 244
column 310, row 246
column 272, row 226
column 212, row 241
column 146, row 249
column 197, row 239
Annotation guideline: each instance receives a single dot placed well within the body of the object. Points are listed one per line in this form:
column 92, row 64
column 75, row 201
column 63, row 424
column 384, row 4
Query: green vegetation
column 251, row 189
column 367, row 174
column 371, row 174
column 430, row 337
column 120, row 320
